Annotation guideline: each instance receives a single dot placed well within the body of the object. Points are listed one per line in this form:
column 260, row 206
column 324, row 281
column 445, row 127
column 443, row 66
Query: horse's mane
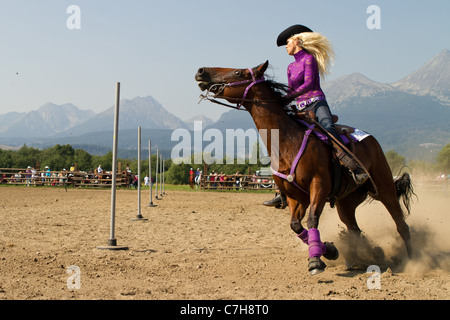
column 280, row 89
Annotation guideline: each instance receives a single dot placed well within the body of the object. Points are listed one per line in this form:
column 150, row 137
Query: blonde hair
column 320, row 47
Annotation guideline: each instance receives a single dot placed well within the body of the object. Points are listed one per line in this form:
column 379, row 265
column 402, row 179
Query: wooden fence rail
column 14, row 176
column 237, row 182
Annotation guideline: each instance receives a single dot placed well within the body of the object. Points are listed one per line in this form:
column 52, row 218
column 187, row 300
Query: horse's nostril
column 201, row 71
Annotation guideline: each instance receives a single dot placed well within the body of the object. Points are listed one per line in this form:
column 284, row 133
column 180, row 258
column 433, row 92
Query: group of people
column 195, row 178
column 147, row 181
column 216, row 179
column 31, row 177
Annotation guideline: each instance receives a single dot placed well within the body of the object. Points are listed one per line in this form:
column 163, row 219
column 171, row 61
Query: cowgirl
column 313, row 55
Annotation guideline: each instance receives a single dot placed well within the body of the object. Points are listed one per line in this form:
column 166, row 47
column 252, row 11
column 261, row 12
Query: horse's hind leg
column 394, row 208
column 346, row 208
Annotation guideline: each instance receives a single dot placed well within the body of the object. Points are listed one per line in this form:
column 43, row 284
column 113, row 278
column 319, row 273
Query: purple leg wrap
column 316, row 247
column 303, row 236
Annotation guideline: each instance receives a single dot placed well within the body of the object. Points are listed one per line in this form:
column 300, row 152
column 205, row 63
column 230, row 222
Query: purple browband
column 252, row 83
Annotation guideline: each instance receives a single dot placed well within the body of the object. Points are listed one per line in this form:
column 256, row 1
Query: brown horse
column 191, row 179
column 309, row 181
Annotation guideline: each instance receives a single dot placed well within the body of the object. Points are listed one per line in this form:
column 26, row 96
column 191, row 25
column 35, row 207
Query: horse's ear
column 262, row 68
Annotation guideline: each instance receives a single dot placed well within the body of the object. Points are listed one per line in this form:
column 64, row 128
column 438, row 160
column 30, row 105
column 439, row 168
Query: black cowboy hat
column 289, row 32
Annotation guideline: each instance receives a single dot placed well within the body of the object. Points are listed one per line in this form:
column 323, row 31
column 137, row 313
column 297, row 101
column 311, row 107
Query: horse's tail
column 404, row 189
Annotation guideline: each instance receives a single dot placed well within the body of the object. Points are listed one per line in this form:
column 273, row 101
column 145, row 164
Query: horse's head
column 227, row 83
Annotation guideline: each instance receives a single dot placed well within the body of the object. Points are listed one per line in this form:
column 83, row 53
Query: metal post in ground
column 112, row 241
column 139, row 216
column 156, row 175
column 164, row 180
column 150, row 173
column 160, row 178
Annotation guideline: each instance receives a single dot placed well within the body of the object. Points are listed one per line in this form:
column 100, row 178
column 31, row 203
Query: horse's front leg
column 298, row 211
column 316, row 247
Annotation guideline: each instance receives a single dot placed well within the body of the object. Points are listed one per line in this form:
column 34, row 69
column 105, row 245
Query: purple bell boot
column 316, row 247
column 303, row 236
column 328, row 250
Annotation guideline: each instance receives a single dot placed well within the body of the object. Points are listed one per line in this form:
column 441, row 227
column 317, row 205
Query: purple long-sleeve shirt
column 303, row 77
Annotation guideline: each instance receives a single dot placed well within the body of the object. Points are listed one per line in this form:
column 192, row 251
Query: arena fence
column 31, row 177
column 236, row 182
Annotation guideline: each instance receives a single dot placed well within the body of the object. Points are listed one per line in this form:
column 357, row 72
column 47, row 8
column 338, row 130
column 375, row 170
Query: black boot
column 278, row 202
column 348, row 160
column 283, row 203
column 274, row 202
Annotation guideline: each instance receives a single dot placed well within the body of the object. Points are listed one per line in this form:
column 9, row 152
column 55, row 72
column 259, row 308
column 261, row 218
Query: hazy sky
column 155, row 47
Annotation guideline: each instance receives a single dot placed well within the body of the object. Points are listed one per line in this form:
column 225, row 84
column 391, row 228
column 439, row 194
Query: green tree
column 83, row 159
column 25, row 156
column 178, row 173
column 6, row 159
column 58, row 157
column 443, row 158
column 105, row 161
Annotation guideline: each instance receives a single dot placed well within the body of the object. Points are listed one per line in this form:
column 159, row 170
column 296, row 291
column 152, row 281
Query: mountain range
column 410, row 116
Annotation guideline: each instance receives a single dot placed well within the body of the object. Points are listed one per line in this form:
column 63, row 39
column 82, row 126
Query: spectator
column 4, row 178
column 238, row 181
column 48, row 172
column 18, row 177
column 62, row 177
column 46, row 175
column 28, row 176
column 135, row 181
column 33, row 175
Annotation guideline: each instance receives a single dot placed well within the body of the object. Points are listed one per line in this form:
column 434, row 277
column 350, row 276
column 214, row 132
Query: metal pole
column 150, row 173
column 156, row 175
column 112, row 242
column 160, row 177
column 164, row 180
column 139, row 215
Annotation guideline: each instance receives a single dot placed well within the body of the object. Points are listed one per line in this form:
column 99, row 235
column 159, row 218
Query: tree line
column 61, row 157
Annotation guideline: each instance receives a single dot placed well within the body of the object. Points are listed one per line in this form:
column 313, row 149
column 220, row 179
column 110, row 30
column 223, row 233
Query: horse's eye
column 237, row 72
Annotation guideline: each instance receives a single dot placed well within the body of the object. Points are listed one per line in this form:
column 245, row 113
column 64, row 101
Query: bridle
column 220, row 87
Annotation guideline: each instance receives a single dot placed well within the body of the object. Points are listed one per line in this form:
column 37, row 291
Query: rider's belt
column 302, row 104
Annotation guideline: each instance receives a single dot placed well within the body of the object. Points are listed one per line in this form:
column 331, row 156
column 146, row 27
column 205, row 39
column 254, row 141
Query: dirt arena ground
column 205, row 245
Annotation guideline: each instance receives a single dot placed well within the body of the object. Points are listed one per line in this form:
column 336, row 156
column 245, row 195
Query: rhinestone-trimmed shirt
column 303, row 77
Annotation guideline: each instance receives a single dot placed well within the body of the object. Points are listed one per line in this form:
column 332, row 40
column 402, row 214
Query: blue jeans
column 324, row 117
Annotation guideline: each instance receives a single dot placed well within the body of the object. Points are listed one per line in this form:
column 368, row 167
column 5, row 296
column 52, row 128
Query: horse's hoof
column 316, row 266
column 332, row 252
column 313, row 272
